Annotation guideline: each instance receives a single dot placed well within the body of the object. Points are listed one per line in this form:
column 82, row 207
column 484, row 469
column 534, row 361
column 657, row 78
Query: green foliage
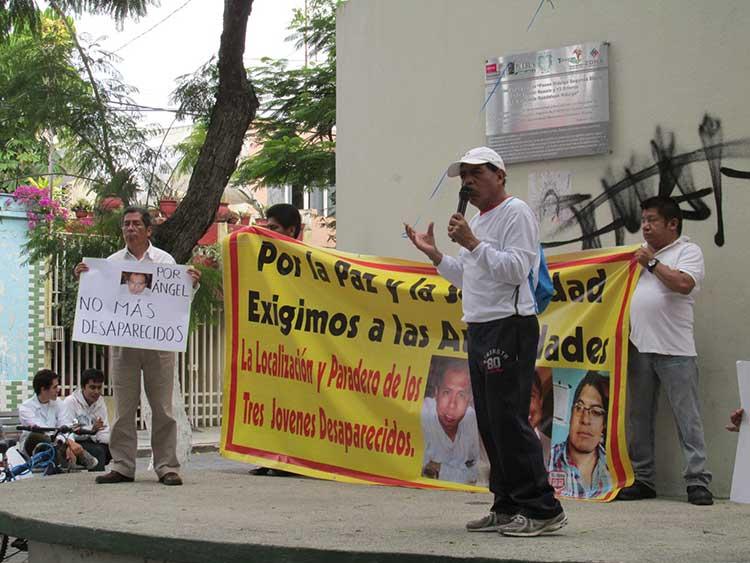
column 298, row 109
column 209, row 299
column 190, row 147
column 54, row 92
column 54, row 241
column 82, row 205
column 24, row 15
column 37, row 84
column 291, row 160
column 295, row 126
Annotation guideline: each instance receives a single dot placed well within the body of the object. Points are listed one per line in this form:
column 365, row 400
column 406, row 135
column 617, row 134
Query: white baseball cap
column 479, row 155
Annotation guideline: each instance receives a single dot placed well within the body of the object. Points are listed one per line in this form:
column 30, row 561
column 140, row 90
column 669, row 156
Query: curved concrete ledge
column 218, row 516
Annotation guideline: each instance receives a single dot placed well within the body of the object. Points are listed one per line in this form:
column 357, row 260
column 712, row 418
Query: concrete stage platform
column 225, row 516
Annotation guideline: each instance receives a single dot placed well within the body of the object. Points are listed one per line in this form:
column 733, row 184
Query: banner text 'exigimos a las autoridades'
column 353, row 368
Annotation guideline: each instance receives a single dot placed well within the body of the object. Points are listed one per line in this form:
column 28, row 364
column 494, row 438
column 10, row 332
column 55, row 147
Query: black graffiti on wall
column 668, row 174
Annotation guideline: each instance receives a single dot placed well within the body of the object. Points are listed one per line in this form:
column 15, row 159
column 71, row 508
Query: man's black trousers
column 502, row 354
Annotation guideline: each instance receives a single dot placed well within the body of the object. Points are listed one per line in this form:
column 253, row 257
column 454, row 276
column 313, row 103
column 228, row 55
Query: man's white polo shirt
column 661, row 320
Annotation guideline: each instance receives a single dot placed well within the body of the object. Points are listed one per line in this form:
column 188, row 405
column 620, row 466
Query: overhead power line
column 157, row 24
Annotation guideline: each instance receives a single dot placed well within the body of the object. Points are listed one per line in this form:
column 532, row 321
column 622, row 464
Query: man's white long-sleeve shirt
column 32, row 412
column 500, row 263
column 76, row 410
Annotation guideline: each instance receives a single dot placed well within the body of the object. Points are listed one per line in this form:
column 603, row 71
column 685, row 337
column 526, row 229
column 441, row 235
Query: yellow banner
column 353, row 368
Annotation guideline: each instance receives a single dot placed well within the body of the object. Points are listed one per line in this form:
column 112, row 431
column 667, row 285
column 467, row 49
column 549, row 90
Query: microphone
column 463, row 199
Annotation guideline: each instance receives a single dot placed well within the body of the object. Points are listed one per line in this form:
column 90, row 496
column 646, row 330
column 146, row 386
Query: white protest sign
column 134, row 304
column 741, row 477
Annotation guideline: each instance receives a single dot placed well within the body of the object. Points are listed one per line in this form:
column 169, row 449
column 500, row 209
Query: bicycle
column 43, row 460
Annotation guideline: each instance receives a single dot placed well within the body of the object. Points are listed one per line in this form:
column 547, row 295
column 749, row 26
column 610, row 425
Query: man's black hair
column 598, row 382
column 287, row 215
column 43, row 380
column 145, row 215
column 667, row 209
column 91, row 375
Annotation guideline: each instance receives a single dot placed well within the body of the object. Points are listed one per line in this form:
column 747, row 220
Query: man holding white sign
column 126, row 363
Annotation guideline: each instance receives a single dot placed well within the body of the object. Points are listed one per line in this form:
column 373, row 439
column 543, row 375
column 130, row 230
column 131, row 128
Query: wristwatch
column 651, row 265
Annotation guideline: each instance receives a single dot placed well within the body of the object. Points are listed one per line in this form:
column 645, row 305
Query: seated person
column 449, row 426
column 86, row 408
column 43, row 410
column 580, row 462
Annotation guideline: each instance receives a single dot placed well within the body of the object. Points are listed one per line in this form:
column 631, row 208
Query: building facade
column 411, row 87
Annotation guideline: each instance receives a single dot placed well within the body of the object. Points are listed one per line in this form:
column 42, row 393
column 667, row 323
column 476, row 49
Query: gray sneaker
column 489, row 523
column 89, row 461
column 524, row 527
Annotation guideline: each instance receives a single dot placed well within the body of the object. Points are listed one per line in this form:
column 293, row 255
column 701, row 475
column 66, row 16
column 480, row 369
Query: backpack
column 542, row 289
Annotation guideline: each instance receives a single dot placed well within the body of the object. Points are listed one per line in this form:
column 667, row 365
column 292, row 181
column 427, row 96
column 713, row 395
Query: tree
column 55, row 91
column 297, row 117
column 37, row 84
column 26, row 15
column 234, row 108
column 230, row 117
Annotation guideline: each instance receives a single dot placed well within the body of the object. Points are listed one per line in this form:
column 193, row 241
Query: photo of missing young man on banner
column 578, row 462
column 449, row 423
column 135, row 283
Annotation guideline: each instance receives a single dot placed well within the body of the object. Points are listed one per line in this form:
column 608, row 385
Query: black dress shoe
column 636, row 491
column 170, row 479
column 113, row 477
column 699, row 495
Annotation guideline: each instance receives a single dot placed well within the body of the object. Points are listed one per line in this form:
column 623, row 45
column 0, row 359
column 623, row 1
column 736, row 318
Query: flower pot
column 110, row 203
column 167, row 207
column 223, row 213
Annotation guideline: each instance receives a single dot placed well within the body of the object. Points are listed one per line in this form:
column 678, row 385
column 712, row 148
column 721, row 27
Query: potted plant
column 168, row 202
column 82, row 208
column 110, row 203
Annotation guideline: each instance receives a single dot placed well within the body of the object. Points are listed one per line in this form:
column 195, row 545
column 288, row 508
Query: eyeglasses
column 597, row 413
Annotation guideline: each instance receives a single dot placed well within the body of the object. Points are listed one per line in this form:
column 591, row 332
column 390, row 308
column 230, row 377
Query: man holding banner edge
column 662, row 350
column 157, row 366
column 499, row 249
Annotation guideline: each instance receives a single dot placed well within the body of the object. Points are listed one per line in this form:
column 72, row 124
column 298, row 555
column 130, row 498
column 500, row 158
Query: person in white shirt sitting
column 43, row 411
column 85, row 407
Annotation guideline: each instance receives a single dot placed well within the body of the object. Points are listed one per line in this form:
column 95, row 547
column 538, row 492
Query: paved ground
column 205, row 458
column 226, row 510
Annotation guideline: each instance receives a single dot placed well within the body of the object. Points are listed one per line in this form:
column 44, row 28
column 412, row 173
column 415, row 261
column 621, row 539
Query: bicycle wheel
column 3, row 546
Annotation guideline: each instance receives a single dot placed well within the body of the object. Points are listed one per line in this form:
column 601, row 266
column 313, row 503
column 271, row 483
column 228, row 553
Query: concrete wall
column 410, row 88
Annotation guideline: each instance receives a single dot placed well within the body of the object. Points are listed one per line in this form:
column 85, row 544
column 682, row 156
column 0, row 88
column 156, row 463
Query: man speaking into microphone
column 499, row 248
